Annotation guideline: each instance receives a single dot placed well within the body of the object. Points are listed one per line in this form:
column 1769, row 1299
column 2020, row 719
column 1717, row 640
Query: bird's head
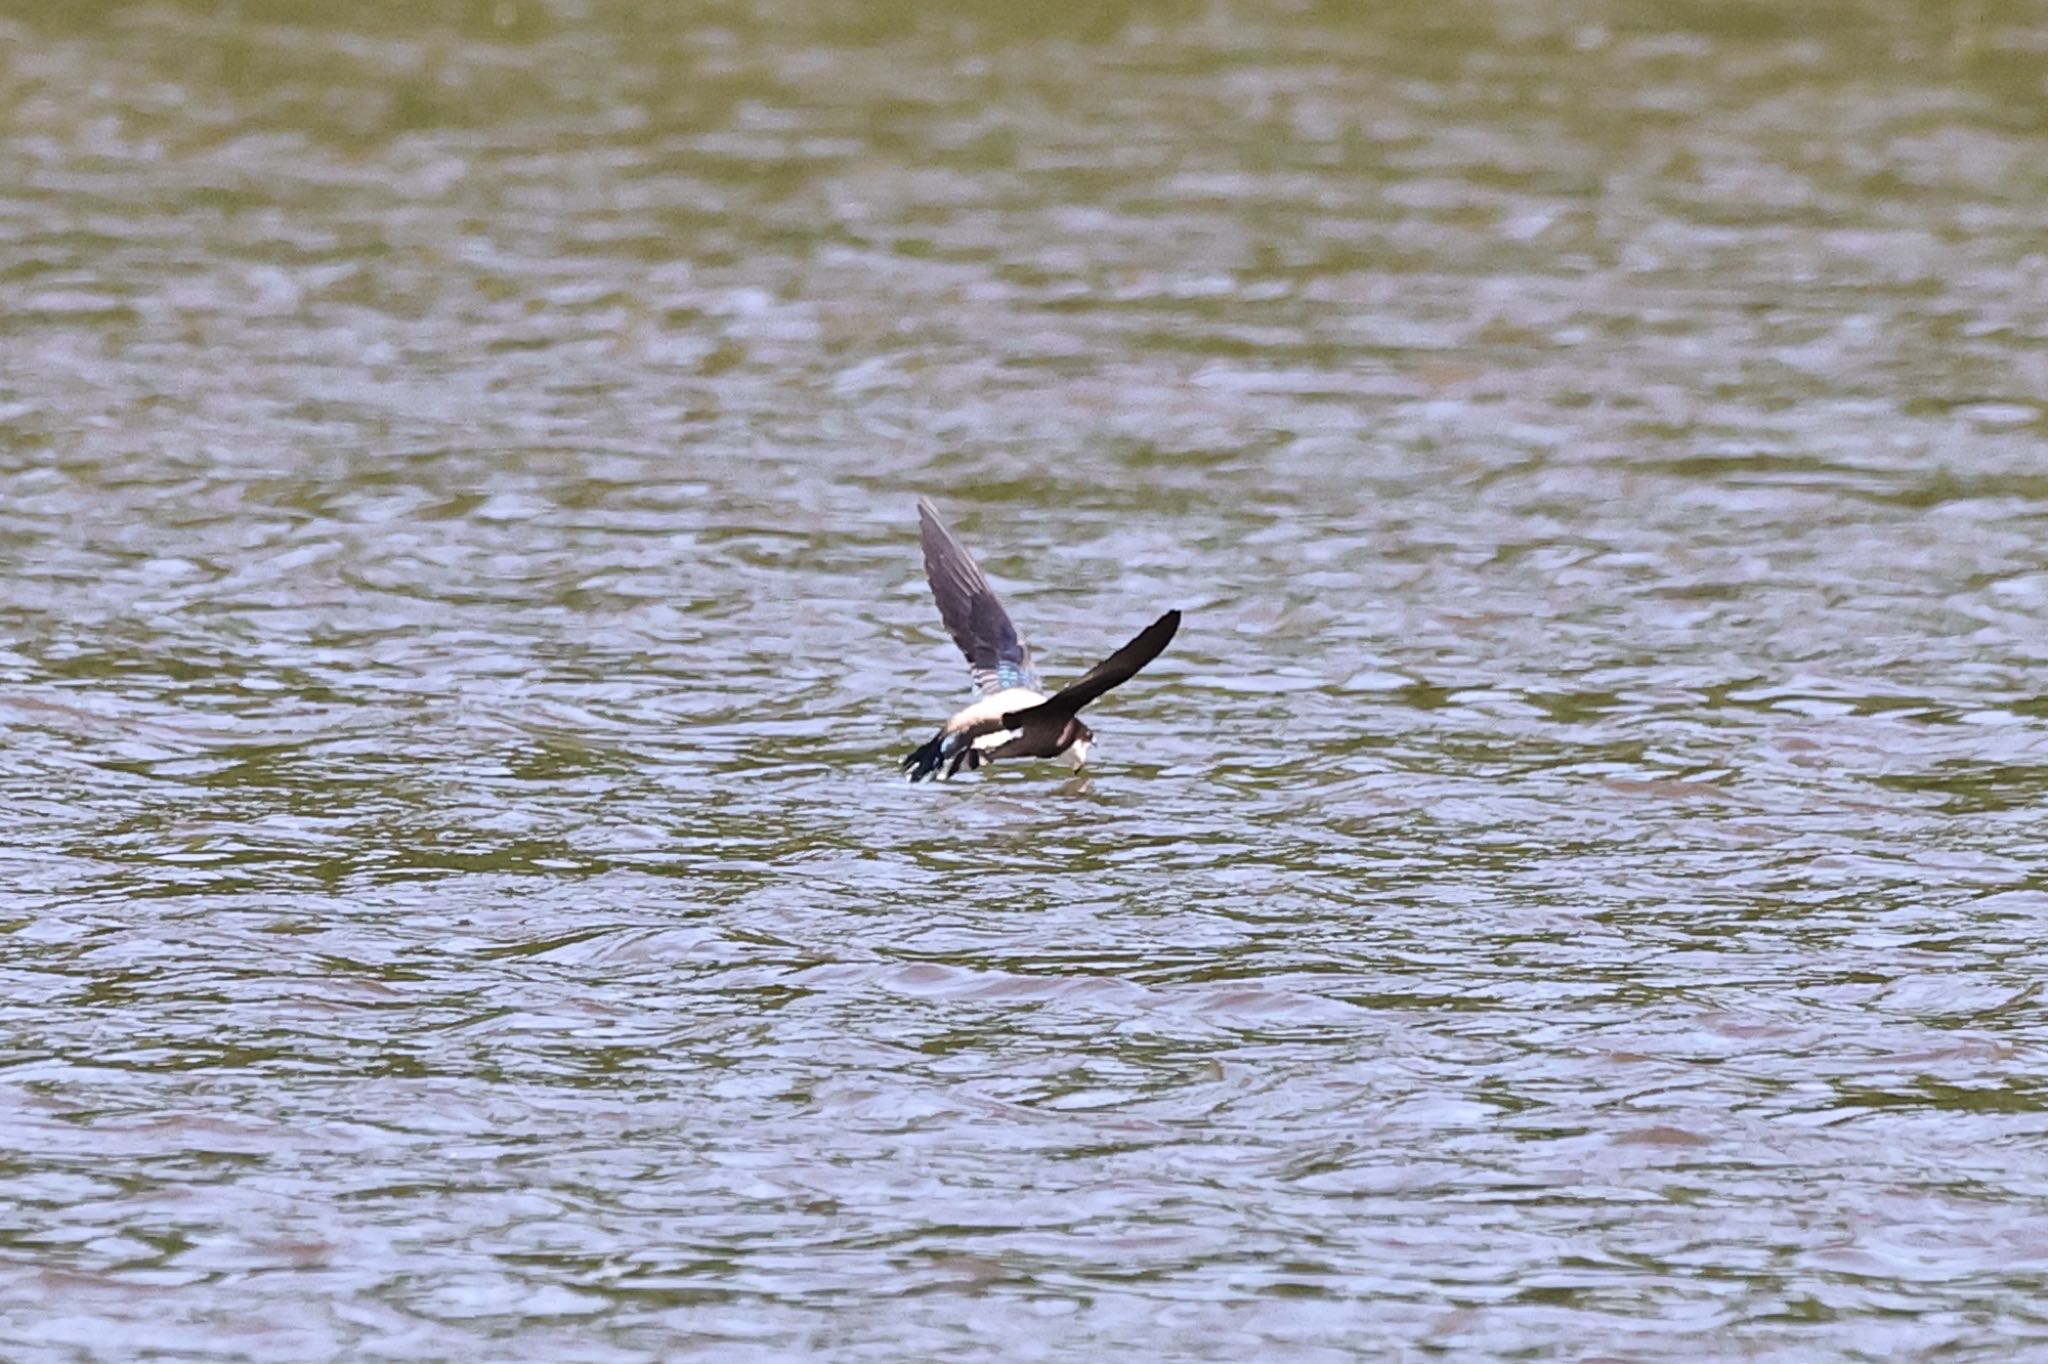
column 1075, row 741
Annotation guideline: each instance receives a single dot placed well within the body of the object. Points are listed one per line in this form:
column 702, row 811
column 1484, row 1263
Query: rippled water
column 1572, row 890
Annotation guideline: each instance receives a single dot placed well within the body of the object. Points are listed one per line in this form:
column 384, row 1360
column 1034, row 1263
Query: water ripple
column 1573, row 880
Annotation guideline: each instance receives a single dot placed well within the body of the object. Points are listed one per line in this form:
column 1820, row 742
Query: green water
column 1571, row 891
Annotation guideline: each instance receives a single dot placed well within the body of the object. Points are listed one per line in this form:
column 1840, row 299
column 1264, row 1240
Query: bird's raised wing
column 1119, row 668
column 996, row 654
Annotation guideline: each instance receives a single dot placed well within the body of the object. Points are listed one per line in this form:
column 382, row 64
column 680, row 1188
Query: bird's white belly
column 995, row 707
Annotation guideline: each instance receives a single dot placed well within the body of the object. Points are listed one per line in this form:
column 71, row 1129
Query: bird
column 1014, row 717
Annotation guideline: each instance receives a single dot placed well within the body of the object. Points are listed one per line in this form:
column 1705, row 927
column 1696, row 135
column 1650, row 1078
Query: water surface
column 1572, row 889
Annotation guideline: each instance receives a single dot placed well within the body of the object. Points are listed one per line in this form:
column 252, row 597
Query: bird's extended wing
column 974, row 616
column 1119, row 668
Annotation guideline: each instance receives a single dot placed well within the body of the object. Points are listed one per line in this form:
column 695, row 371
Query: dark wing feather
column 974, row 616
column 1119, row 668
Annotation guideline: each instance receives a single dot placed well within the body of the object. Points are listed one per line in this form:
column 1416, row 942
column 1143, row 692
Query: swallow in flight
column 1014, row 717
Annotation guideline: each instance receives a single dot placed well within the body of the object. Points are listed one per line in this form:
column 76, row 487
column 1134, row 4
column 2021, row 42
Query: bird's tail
column 926, row 760
column 950, row 749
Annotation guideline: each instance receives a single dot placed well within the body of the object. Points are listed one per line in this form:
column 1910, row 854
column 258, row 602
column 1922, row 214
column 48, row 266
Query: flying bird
column 1014, row 717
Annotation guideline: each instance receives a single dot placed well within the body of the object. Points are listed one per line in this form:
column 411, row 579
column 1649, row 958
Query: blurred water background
column 1573, row 890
